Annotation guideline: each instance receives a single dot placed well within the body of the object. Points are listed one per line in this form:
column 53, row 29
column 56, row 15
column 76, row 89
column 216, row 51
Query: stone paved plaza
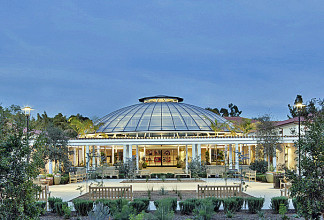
column 256, row 189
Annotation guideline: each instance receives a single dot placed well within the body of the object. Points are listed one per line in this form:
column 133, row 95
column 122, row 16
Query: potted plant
column 57, row 178
column 269, row 174
column 144, row 164
column 49, row 177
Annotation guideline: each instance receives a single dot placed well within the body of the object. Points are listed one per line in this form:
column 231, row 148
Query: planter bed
column 165, row 181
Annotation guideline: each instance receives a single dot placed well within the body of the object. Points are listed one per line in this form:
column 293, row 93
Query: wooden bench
column 78, row 176
column 214, row 171
column 142, row 173
column 285, row 190
column 182, row 173
column 250, row 174
column 219, row 191
column 103, row 192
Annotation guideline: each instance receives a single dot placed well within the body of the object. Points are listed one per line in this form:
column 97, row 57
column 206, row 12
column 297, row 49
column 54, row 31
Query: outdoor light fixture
column 27, row 110
column 299, row 105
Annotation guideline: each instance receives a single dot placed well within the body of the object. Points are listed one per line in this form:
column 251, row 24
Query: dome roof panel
column 159, row 116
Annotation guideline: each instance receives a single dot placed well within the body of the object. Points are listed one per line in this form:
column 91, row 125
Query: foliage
column 310, row 108
column 65, row 179
column 99, row 212
column 308, row 189
column 233, row 204
column 83, row 127
column 229, row 214
column 58, row 207
column 170, row 201
column 67, row 211
column 165, row 209
column 125, row 213
column 83, row 206
column 260, row 166
column 254, row 204
column 19, row 164
column 56, row 148
column 261, row 177
column 268, row 138
column 276, row 201
column 216, row 202
column 233, row 111
column 140, row 204
column 283, row 211
column 52, row 201
column 204, row 210
column 197, row 167
column 42, row 206
column 128, row 168
column 188, row 205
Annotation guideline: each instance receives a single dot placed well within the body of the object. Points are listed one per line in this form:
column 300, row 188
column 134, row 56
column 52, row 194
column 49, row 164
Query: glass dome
column 159, row 113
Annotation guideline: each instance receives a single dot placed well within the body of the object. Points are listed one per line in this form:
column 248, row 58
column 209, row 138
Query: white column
column 193, row 151
column 145, row 151
column 230, row 155
column 236, row 157
column 250, row 154
column 210, row 149
column 50, row 167
column 125, row 153
column 99, row 156
column 87, row 157
column 130, row 151
column 178, row 151
column 137, row 164
column 113, row 154
column 199, row 152
column 93, row 158
column 74, row 157
column 186, row 158
column 274, row 160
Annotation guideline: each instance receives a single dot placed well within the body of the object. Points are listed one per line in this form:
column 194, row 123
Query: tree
column 246, row 126
column 308, row 189
column 268, row 138
column 233, row 111
column 83, row 127
column 18, row 193
column 310, row 108
column 56, row 147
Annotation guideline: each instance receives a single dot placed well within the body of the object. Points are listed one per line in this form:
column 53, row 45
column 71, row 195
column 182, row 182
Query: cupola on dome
column 159, row 113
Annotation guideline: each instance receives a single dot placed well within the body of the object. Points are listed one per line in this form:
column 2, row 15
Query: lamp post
column 27, row 110
column 299, row 105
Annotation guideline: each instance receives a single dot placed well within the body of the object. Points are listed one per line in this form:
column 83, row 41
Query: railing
column 219, row 191
column 102, row 192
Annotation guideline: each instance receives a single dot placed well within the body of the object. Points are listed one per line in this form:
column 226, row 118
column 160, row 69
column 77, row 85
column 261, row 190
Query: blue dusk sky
column 94, row 57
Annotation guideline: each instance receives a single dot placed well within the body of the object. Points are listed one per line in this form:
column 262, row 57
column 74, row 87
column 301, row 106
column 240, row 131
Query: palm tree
column 83, row 127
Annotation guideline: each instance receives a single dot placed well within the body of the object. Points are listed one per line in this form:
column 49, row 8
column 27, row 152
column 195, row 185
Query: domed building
column 163, row 131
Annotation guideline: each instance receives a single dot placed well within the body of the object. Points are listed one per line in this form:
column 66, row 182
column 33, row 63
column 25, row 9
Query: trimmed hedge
column 216, row 202
column 171, row 201
column 276, row 201
column 140, row 204
column 187, row 206
column 254, row 204
column 59, row 207
column 233, row 204
column 83, row 206
column 52, row 201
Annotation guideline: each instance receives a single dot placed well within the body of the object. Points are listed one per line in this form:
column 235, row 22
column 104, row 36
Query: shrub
column 83, row 206
column 140, row 204
column 233, row 204
column 58, row 206
column 171, row 201
column 205, row 210
column 295, row 204
column 125, row 213
column 99, row 212
column 216, row 202
column 65, row 179
column 261, row 177
column 67, row 212
column 254, row 204
column 42, row 206
column 260, row 166
column 52, row 201
column 276, row 201
column 164, row 209
column 187, row 206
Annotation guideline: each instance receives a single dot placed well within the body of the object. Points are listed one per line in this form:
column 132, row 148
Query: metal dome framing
column 159, row 116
